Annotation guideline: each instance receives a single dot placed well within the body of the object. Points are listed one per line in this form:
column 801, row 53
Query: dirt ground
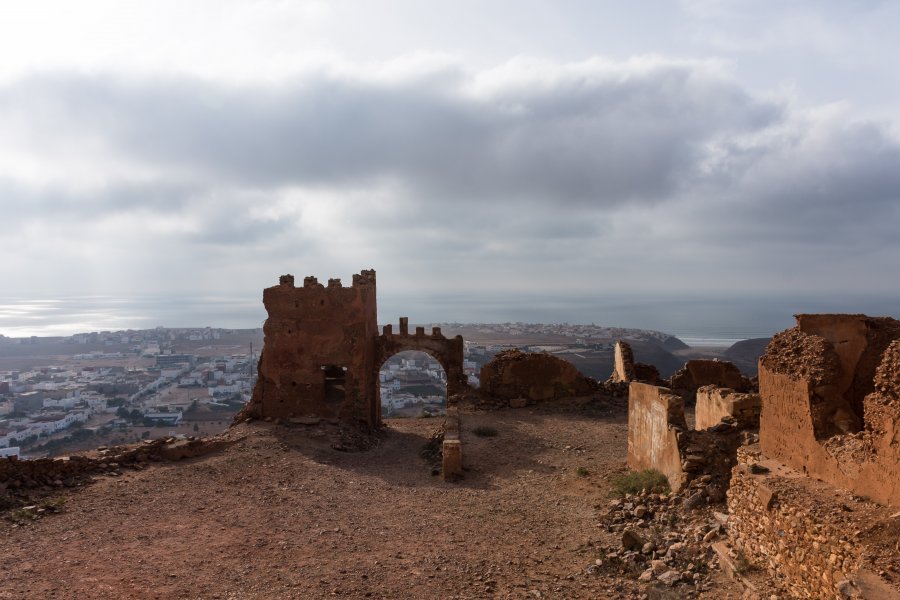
column 280, row 514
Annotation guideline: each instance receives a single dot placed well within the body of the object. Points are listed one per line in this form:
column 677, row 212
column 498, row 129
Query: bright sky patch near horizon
column 485, row 148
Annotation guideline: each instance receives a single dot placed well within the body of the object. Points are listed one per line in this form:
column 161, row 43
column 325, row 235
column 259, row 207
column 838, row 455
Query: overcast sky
column 467, row 147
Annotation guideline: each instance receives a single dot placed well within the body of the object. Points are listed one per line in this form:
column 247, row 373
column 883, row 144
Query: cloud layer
column 641, row 175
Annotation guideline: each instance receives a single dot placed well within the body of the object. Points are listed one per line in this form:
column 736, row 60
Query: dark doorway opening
column 335, row 382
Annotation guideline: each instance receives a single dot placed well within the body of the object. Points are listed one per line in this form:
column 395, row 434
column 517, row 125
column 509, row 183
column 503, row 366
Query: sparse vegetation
column 633, row 482
column 431, row 450
column 583, row 472
column 741, row 564
column 34, row 512
column 485, row 431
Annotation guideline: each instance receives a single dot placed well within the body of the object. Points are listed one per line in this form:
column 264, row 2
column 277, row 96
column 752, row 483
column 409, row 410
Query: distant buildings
column 38, row 403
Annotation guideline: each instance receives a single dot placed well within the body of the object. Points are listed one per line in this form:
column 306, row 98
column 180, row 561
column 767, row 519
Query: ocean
column 698, row 320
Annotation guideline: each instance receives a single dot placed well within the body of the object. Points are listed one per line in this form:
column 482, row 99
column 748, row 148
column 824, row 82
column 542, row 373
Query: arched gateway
column 322, row 352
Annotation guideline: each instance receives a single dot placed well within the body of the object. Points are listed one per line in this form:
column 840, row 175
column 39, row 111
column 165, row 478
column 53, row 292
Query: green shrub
column 583, row 472
column 634, row 482
column 485, row 431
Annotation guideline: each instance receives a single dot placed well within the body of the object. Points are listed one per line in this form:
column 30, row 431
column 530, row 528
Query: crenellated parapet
column 323, row 351
column 388, row 330
column 319, row 351
column 447, row 351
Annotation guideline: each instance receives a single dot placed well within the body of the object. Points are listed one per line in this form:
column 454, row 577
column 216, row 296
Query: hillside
column 280, row 514
column 745, row 354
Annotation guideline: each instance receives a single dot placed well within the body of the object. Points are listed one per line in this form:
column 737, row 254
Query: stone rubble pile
column 708, row 457
column 666, row 539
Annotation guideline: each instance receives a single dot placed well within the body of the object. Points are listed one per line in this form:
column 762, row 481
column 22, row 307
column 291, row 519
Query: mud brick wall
column 319, row 353
column 534, row 377
column 813, row 541
column 715, row 403
column 623, row 365
column 828, row 404
column 655, row 419
column 700, row 372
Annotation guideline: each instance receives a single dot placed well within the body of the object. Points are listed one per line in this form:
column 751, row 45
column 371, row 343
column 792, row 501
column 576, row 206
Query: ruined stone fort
column 821, row 423
column 323, row 352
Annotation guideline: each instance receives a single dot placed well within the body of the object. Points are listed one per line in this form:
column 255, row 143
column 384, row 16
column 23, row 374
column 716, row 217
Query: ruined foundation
column 522, row 378
column 715, row 404
column 815, row 502
column 814, row 540
column 701, row 372
column 831, row 402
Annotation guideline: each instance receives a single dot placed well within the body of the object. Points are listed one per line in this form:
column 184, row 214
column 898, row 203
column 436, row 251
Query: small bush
column 432, row 449
column 583, row 472
column 485, row 431
column 741, row 564
column 634, row 482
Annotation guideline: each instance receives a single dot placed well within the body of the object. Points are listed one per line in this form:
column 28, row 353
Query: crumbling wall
column 623, row 363
column 716, row 403
column 647, row 374
column 513, row 375
column 319, row 353
column 700, row 372
column 626, row 370
column 655, row 419
column 658, row 438
column 812, row 539
column 882, row 406
column 17, row 477
column 813, row 381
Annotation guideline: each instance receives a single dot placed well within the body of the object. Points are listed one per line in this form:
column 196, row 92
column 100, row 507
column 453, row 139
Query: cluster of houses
column 39, row 403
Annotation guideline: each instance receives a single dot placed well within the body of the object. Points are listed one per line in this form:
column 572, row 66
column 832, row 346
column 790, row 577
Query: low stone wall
column 813, row 540
column 19, row 476
column 715, row 403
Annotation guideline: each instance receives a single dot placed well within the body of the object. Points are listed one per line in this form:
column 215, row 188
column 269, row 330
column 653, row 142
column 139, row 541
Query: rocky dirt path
column 282, row 515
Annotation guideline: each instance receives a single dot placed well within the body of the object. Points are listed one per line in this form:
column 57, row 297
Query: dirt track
column 282, row 515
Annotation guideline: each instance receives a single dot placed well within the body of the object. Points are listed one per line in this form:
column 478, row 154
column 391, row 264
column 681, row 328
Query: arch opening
column 412, row 384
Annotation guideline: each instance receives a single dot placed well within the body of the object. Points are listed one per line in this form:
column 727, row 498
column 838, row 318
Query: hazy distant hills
column 745, row 354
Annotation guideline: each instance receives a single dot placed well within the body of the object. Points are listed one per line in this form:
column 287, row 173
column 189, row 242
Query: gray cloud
column 596, row 139
column 662, row 172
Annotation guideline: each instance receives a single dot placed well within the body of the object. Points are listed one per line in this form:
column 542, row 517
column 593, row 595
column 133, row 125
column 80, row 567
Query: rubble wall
column 19, row 476
column 715, row 403
column 514, row 374
column 655, row 417
column 319, row 353
column 806, row 535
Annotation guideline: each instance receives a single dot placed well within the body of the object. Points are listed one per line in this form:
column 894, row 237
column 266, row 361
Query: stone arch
column 448, row 352
column 384, row 360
